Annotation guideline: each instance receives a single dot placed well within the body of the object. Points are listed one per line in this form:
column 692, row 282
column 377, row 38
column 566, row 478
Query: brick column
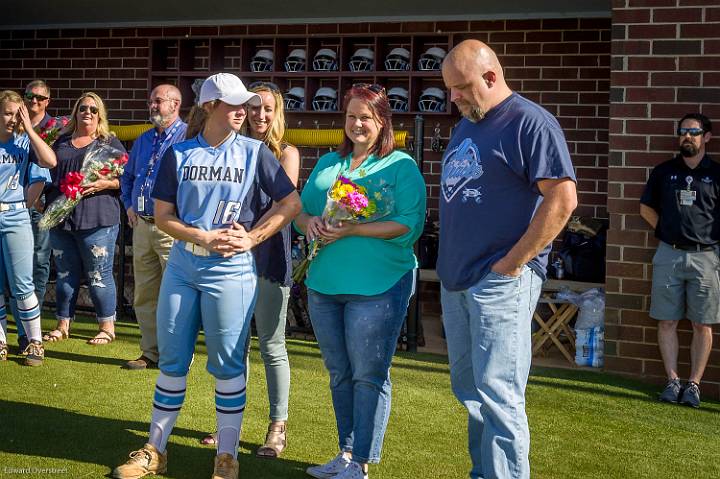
column 665, row 62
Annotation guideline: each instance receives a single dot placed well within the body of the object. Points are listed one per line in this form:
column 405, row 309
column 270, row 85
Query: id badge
column 687, row 197
column 141, row 204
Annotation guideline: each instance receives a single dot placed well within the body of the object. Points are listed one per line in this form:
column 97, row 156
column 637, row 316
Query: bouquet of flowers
column 349, row 202
column 51, row 130
column 101, row 162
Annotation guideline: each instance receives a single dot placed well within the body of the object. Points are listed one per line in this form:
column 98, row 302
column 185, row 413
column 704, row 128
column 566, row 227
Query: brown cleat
column 226, row 467
column 143, row 362
column 143, row 462
column 3, row 351
column 34, row 354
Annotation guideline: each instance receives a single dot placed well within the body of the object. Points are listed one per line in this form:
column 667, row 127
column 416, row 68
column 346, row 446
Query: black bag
column 583, row 256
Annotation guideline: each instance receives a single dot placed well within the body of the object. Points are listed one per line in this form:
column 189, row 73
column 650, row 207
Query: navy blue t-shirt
column 488, row 187
column 203, row 200
column 98, row 210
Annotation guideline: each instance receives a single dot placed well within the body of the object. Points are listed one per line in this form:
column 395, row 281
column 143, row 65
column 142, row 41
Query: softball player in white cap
column 202, row 199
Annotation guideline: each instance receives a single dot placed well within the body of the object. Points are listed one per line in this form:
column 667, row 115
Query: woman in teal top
column 361, row 280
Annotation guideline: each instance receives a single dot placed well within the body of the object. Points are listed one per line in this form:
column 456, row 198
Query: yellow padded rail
column 310, row 137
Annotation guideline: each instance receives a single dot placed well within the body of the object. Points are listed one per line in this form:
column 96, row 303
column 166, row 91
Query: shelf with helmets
column 313, row 72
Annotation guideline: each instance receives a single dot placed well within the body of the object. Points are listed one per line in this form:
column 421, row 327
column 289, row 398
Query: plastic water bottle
column 559, row 268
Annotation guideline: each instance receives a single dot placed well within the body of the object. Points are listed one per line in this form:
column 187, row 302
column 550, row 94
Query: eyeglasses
column 690, row 131
column 373, row 87
column 30, row 96
column 93, row 109
column 159, row 101
column 257, row 85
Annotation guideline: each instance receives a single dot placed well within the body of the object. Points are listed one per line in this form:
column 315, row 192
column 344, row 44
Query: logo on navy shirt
column 461, row 165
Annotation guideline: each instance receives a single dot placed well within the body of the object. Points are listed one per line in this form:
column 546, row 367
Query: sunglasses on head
column 264, row 84
column 691, row 131
column 373, row 87
column 29, row 96
column 93, row 109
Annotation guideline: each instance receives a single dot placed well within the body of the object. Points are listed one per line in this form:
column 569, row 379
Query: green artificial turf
column 79, row 415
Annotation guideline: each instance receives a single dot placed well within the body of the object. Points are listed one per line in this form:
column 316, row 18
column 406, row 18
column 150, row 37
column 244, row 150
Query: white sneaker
column 353, row 471
column 329, row 469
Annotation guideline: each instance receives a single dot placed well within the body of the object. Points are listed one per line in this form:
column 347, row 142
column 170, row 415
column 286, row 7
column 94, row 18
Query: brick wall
column 564, row 64
column 665, row 63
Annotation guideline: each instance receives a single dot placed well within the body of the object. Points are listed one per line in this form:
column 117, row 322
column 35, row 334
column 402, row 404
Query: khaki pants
column 151, row 248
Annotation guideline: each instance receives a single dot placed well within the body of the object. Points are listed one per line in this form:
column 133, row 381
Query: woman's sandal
column 102, row 338
column 57, row 334
column 275, row 442
column 209, row 440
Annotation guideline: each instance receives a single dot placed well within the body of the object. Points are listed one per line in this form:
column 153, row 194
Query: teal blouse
column 361, row 265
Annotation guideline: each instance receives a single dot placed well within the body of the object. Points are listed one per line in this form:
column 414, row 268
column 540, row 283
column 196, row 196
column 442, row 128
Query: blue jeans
column 357, row 336
column 488, row 336
column 41, row 264
column 92, row 252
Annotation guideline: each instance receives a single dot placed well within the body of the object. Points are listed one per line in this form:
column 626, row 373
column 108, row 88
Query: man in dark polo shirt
column 682, row 202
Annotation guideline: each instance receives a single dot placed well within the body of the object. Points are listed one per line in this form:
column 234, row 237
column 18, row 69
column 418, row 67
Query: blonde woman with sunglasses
column 84, row 244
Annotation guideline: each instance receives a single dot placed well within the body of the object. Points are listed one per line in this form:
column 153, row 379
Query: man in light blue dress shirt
column 151, row 246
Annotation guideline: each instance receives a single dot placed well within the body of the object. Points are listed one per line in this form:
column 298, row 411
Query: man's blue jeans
column 92, row 252
column 357, row 336
column 489, row 348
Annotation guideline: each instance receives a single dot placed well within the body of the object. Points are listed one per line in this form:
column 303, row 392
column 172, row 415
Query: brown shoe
column 143, row 462
column 34, row 354
column 226, row 467
column 143, row 362
column 3, row 351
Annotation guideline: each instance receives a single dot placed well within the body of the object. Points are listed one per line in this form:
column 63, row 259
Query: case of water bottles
column 589, row 326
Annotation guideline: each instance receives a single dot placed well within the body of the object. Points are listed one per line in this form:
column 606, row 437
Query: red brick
column 627, row 238
column 677, row 15
column 649, row 159
column 636, row 286
column 581, row 36
column 543, row 37
column 671, row 111
column 642, row 255
column 654, row 95
column 561, row 48
column 704, row 31
column 595, row 23
column 636, row 222
column 629, row 78
column 712, row 14
column 622, row 206
column 636, row 318
column 543, row 60
column 630, row 16
column 652, row 32
column 700, row 63
column 653, row 63
column 628, row 142
column 675, row 78
column 663, row 143
column 627, row 174
column 652, row 3
column 711, row 47
column 637, row 350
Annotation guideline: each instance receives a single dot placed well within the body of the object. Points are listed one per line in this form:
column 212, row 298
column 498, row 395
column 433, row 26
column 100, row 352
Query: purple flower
column 357, row 201
column 344, row 180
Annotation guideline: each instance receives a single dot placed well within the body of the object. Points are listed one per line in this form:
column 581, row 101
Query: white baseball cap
column 227, row 88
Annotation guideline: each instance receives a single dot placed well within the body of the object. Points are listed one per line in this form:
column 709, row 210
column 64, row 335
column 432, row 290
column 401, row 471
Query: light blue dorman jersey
column 16, row 169
column 207, row 184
